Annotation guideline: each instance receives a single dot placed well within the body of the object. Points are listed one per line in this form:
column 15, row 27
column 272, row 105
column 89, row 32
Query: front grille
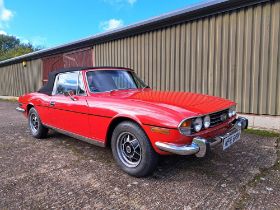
column 216, row 117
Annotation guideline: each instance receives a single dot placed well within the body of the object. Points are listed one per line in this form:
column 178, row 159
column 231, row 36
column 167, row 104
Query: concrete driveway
column 62, row 172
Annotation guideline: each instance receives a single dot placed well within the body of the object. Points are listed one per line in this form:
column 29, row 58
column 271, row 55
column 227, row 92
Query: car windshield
column 109, row 80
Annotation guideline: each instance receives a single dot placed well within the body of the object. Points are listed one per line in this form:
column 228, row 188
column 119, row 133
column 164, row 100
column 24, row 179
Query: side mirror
column 71, row 94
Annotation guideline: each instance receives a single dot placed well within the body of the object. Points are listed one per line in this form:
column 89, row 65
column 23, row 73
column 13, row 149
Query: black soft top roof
column 48, row 88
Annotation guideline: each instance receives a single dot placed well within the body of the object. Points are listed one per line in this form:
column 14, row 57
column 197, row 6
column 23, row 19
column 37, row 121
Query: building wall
column 81, row 57
column 235, row 55
column 51, row 63
column 16, row 80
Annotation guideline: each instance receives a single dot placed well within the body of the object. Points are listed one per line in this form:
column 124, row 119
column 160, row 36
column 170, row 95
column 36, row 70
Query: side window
column 66, row 82
column 81, row 86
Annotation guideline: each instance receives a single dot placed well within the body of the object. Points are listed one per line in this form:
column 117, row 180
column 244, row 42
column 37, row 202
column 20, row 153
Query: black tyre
column 132, row 150
column 37, row 129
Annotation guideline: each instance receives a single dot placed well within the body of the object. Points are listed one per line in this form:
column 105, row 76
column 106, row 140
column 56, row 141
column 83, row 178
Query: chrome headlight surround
column 185, row 127
column 232, row 111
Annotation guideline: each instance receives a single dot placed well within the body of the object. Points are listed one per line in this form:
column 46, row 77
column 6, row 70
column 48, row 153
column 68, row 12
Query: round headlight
column 231, row 111
column 197, row 124
column 206, row 121
column 234, row 111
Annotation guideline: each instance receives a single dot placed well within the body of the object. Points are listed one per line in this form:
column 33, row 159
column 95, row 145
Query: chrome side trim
column 20, row 109
column 76, row 136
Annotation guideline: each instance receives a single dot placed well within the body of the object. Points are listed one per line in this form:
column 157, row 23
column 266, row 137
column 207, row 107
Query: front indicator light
column 185, row 127
column 160, row 130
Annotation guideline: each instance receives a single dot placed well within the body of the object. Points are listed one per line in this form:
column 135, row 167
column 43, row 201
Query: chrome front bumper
column 20, row 109
column 200, row 146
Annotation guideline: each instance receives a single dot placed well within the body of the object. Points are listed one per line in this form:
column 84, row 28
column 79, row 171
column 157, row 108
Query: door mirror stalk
column 71, row 94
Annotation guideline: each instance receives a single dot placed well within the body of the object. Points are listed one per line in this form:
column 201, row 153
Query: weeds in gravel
column 262, row 133
column 244, row 196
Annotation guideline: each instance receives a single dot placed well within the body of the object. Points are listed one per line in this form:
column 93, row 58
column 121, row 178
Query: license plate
column 231, row 139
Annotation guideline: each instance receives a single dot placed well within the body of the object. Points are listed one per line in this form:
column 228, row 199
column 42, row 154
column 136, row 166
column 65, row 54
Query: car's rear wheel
column 132, row 150
column 37, row 129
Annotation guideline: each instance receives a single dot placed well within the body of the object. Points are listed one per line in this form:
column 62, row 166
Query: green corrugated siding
column 16, row 80
column 234, row 55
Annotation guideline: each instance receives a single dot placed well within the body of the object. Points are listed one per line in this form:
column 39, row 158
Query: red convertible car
column 109, row 106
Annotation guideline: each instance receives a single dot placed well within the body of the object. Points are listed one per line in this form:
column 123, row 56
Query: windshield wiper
column 110, row 91
column 146, row 86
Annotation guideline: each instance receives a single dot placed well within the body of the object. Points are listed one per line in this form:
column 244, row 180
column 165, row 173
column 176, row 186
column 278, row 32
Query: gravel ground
column 62, row 172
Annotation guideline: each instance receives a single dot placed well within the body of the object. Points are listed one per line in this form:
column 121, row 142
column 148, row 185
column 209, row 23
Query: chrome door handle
column 52, row 103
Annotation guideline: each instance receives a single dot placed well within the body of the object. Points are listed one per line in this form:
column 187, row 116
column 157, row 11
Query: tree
column 10, row 47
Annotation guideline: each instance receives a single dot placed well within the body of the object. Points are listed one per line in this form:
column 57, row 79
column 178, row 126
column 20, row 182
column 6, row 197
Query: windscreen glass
column 108, row 80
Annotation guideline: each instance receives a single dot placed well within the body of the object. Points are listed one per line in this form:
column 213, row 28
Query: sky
column 49, row 23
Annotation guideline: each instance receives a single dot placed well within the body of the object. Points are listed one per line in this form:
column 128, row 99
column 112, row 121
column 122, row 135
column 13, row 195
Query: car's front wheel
column 132, row 150
column 38, row 130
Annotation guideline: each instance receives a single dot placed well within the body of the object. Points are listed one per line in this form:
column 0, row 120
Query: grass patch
column 262, row 133
column 9, row 99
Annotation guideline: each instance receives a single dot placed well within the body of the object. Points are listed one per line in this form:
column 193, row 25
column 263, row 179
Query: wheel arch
column 116, row 121
column 28, row 107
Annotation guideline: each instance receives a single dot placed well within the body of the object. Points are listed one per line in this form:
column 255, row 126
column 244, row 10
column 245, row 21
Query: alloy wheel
column 129, row 149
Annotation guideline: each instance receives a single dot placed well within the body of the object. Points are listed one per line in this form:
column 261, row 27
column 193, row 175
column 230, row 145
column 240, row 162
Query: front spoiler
column 200, row 146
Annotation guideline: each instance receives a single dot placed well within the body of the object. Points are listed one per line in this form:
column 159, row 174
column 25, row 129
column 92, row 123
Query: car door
column 70, row 112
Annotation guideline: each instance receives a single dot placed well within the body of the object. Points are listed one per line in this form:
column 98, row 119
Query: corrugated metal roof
column 190, row 13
